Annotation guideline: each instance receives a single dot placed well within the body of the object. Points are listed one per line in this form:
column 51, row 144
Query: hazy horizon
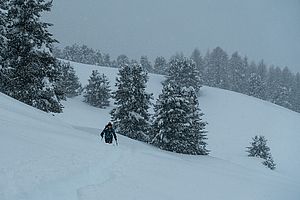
column 266, row 30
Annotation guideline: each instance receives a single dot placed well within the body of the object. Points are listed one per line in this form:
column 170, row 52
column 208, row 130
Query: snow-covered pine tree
column 237, row 73
column 260, row 149
column 262, row 73
column 199, row 62
column 296, row 93
column 160, row 65
column 196, row 123
column 131, row 117
column 183, row 72
column 106, row 60
column 97, row 92
column 98, row 58
column 279, row 86
column 82, row 54
column 88, row 55
column 122, row 98
column 217, row 69
column 122, row 60
column 272, row 84
column 69, row 81
column 113, row 64
column 206, row 72
column 244, row 75
column 145, row 63
column 30, row 65
column 71, row 53
column 141, row 102
column 255, row 87
column 177, row 125
column 287, row 80
column 3, row 26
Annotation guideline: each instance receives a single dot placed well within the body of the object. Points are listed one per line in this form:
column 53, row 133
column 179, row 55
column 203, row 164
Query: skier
column 109, row 134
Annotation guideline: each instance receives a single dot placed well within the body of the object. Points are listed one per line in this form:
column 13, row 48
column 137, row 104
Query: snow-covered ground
column 46, row 157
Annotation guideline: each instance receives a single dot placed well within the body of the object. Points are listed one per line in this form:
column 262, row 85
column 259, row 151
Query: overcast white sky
column 260, row 29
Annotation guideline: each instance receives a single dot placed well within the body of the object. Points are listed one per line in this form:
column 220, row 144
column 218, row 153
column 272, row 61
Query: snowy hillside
column 61, row 157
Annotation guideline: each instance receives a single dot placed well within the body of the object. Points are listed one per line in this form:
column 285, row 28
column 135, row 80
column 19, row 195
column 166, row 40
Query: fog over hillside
column 266, row 30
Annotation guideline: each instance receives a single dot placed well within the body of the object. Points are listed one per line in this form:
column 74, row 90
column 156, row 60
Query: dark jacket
column 109, row 134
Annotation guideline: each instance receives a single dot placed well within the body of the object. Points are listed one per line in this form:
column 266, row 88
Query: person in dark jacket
column 109, row 134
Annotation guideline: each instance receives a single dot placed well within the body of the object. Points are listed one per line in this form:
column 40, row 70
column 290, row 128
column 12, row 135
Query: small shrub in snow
column 269, row 162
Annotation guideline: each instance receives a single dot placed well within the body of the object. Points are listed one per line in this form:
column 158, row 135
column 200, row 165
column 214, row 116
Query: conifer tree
column 97, row 92
column 3, row 26
column 262, row 74
column 160, row 65
column 98, row 58
column 296, row 93
column 272, row 84
column 206, row 72
column 106, row 60
column 81, row 54
column 145, row 63
column 183, row 72
column 69, row 81
column 199, row 62
column 280, row 86
column 122, row 60
column 197, row 124
column 255, row 87
column 260, row 149
column 237, row 73
column 30, row 67
column 177, row 123
column 131, row 117
column 287, row 79
column 217, row 69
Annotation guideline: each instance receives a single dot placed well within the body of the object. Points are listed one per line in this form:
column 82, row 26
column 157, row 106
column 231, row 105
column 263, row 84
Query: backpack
column 108, row 133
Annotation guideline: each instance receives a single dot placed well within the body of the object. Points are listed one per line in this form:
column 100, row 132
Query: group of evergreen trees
column 279, row 86
column 83, row 54
column 176, row 124
column 28, row 70
column 30, row 73
column 215, row 69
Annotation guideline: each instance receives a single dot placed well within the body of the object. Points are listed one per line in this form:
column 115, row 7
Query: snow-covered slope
column 61, row 157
